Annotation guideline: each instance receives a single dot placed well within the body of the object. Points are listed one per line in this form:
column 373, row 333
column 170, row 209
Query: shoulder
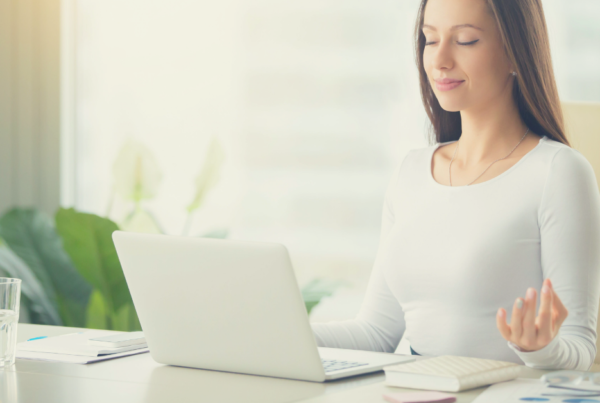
column 413, row 160
column 419, row 155
column 411, row 165
column 567, row 168
column 561, row 157
column 570, row 193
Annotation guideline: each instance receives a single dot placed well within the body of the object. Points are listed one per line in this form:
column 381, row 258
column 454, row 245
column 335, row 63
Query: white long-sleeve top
column 449, row 257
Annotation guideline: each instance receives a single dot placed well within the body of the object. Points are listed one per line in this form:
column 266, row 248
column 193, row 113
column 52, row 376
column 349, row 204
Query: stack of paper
column 74, row 348
column 533, row 390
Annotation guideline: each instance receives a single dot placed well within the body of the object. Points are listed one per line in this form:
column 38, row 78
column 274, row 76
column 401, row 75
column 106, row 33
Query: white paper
column 514, row 392
column 74, row 344
column 73, row 359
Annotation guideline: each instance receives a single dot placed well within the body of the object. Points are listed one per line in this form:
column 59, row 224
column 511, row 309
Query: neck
column 489, row 132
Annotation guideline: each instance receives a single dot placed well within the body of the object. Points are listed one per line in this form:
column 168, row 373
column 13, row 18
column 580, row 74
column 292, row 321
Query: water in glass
column 8, row 336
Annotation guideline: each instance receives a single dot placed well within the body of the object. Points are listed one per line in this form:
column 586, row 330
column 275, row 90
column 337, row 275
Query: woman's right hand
column 528, row 332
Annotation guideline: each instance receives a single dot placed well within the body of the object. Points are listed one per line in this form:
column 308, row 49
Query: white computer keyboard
column 337, row 365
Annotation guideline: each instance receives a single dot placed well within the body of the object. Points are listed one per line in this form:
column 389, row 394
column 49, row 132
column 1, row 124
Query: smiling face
column 464, row 57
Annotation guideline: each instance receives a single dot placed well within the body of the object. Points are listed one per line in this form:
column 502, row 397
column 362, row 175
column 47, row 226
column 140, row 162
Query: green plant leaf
column 41, row 309
column 121, row 318
column 87, row 239
column 32, row 236
column 136, row 173
column 16, row 231
column 96, row 312
column 126, row 319
column 316, row 290
column 209, row 174
column 134, row 320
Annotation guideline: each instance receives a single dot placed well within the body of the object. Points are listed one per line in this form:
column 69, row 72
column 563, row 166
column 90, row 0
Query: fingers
column 505, row 330
column 544, row 319
column 560, row 312
column 529, row 330
column 516, row 320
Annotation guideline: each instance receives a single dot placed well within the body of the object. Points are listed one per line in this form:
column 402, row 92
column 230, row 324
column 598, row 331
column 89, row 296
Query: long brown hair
column 523, row 30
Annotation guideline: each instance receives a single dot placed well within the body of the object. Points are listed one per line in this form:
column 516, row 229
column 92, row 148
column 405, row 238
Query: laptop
column 230, row 306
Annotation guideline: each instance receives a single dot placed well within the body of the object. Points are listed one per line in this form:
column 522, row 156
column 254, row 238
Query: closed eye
column 460, row 43
column 468, row 43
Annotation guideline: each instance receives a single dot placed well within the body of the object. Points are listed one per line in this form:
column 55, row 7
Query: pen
column 37, row 338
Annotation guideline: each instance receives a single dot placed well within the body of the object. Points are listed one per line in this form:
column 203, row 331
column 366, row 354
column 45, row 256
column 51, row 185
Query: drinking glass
column 8, row 385
column 10, row 295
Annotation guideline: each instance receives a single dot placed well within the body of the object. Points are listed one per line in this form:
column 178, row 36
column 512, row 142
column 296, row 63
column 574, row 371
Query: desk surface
column 139, row 379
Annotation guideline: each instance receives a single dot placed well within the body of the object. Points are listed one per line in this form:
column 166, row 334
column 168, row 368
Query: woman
column 499, row 208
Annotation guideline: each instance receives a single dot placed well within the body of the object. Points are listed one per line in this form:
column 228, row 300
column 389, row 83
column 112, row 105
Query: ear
column 511, row 68
column 510, row 64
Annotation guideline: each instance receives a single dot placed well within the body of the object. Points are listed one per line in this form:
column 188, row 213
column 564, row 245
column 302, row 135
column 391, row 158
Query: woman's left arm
column 563, row 335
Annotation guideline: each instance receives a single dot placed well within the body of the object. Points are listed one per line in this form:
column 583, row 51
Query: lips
column 447, row 84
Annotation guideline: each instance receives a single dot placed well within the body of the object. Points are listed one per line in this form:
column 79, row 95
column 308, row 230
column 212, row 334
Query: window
column 312, row 102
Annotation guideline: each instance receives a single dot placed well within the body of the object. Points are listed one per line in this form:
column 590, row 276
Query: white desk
column 139, row 379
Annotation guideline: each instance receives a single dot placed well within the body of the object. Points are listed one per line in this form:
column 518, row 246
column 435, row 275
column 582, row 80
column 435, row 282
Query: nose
column 442, row 58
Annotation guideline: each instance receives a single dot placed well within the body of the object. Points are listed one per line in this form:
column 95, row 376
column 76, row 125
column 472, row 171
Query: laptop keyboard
column 336, row 365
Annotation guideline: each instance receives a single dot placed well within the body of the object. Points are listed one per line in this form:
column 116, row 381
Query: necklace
column 456, row 149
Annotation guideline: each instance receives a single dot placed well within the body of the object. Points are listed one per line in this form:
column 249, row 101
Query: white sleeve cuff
column 542, row 358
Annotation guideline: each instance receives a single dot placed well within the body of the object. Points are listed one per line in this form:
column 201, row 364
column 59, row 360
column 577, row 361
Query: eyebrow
column 455, row 27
